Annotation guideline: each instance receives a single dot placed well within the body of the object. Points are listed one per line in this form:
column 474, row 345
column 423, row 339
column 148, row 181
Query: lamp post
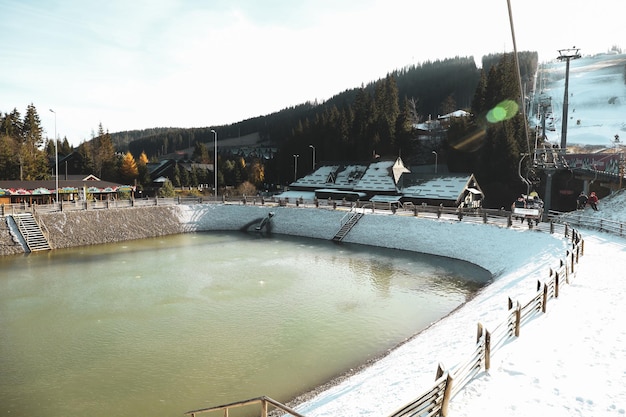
column 436, row 156
column 313, row 147
column 295, row 167
column 215, row 162
column 56, row 158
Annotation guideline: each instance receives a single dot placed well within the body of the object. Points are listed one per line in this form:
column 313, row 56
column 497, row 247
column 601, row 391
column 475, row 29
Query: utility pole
column 566, row 55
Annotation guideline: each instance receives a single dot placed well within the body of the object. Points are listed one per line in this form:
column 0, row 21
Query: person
column 582, row 201
column 593, row 201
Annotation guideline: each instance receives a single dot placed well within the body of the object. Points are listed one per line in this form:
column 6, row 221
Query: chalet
column 386, row 181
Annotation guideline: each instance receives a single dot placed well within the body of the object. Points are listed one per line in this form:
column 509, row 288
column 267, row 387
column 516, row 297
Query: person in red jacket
column 593, row 201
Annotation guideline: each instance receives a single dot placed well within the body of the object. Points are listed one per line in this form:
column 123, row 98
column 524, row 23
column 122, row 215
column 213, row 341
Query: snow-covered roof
column 349, row 175
column 316, row 178
column 378, row 178
column 457, row 113
column 448, row 187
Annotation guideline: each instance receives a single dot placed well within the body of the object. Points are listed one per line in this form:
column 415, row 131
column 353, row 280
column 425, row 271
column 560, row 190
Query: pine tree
column 9, row 164
column 65, row 148
column 167, row 190
column 33, row 160
column 176, row 182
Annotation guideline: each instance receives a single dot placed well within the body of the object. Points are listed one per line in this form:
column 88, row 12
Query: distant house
column 386, row 181
column 454, row 114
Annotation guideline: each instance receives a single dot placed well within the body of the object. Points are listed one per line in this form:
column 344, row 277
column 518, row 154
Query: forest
column 358, row 124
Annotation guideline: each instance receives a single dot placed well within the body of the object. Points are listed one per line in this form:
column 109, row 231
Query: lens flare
column 503, row 111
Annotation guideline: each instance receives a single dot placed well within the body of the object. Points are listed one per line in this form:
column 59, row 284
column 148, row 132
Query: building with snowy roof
column 388, row 181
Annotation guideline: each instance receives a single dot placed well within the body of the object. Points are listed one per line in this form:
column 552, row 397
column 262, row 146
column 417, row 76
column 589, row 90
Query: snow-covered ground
column 570, row 361
column 597, row 99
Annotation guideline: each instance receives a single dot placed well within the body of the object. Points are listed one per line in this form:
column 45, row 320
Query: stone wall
column 8, row 246
column 449, row 238
column 93, row 227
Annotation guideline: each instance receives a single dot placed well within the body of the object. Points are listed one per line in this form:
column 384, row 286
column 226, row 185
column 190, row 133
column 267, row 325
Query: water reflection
column 160, row 326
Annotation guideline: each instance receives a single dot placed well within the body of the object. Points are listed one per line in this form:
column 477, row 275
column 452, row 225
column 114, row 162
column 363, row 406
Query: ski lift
column 528, row 207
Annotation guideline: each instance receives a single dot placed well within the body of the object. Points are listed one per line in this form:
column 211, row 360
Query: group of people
column 583, row 200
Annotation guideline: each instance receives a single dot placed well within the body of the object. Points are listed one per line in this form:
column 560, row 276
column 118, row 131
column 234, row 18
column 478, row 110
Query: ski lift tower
column 566, row 55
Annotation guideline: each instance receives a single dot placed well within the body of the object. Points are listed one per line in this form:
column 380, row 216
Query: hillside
column 597, row 99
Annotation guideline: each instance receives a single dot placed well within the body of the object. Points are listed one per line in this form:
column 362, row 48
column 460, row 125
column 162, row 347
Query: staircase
column 31, row 232
column 347, row 226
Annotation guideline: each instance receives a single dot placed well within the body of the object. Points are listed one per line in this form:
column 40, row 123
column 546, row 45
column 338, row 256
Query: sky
column 570, row 361
column 175, row 63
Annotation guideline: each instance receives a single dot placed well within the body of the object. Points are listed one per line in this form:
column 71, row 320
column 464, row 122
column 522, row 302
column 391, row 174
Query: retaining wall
column 464, row 241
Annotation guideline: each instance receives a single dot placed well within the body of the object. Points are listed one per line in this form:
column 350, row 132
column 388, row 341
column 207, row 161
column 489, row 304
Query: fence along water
column 449, row 382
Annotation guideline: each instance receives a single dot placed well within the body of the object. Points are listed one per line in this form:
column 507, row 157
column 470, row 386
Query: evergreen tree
column 104, row 155
column 65, row 148
column 9, row 164
column 201, row 153
column 176, row 182
column 167, row 190
column 33, row 160
column 85, row 150
column 11, row 124
column 185, row 178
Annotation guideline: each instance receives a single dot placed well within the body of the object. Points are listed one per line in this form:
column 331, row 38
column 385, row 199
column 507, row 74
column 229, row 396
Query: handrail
column 263, row 400
column 577, row 218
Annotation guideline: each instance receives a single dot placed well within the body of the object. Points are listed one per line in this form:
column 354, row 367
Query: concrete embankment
column 465, row 241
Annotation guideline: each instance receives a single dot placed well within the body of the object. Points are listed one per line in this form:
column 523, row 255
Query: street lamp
column 215, row 162
column 295, row 167
column 56, row 157
column 313, row 147
column 436, row 156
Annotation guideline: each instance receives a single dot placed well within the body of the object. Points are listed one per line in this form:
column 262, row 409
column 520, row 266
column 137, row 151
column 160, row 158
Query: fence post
column 446, row 396
column 487, row 350
column 545, row 299
column 479, row 332
column 518, row 318
column 551, row 227
column 509, row 221
column 556, row 285
column 484, row 217
column 440, row 371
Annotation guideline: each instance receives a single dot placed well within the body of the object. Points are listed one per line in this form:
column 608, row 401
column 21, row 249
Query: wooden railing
column 263, row 402
column 434, row 402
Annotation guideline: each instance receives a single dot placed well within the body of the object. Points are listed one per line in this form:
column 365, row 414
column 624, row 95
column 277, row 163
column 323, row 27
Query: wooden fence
column 434, row 402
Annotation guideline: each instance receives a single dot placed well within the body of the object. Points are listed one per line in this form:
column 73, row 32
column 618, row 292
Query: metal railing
column 579, row 219
column 264, row 402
